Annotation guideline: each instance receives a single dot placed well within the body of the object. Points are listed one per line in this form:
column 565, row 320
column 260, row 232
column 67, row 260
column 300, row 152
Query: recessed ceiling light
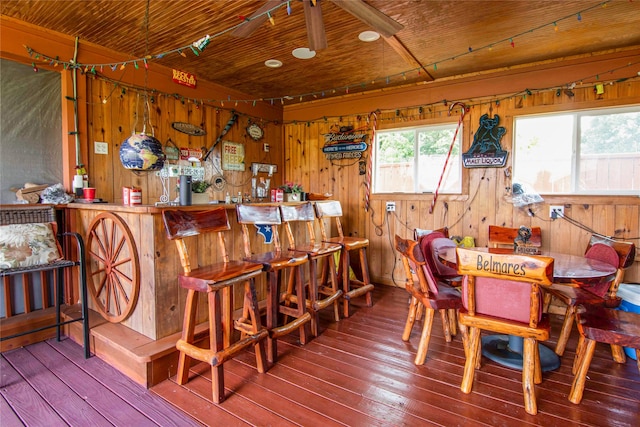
column 368, row 36
column 273, row 63
column 303, row 53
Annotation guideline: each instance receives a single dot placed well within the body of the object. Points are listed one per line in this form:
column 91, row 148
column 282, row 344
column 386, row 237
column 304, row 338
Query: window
column 588, row 152
column 411, row 160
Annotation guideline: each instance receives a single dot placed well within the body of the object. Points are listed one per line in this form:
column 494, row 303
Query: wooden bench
column 20, row 223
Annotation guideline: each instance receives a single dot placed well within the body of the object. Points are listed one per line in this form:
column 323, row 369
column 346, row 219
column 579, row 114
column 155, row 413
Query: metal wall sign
column 232, row 156
column 486, row 151
column 345, row 144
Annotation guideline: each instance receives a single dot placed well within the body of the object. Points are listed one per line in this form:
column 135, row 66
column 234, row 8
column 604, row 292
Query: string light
column 201, row 43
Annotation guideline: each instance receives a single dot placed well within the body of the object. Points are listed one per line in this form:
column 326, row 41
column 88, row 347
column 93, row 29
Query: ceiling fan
column 315, row 25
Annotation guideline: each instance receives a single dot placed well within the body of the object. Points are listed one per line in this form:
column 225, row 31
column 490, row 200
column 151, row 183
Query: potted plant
column 292, row 191
column 199, row 194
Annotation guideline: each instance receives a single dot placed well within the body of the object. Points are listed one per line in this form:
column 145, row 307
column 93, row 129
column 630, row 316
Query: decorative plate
column 188, row 128
column 255, row 132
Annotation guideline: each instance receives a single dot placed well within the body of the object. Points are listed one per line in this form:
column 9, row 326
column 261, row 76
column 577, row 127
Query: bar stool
column 217, row 281
column 275, row 263
column 321, row 295
column 352, row 287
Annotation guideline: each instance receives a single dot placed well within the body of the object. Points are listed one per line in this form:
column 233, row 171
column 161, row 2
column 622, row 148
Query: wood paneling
column 483, row 201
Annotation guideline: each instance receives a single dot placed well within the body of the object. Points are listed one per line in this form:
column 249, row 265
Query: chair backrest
column 180, row 224
column 618, row 253
column 504, row 285
column 266, row 219
column 430, row 244
column 329, row 209
column 419, row 232
column 298, row 213
column 415, row 265
column 505, row 236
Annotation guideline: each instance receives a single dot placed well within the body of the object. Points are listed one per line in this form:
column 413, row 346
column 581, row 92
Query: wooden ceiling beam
column 316, row 34
column 406, row 55
column 370, row 16
column 256, row 19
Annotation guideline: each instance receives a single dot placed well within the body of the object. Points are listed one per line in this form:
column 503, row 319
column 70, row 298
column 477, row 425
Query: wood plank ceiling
column 440, row 39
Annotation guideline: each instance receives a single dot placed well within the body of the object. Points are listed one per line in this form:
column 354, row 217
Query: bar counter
column 143, row 264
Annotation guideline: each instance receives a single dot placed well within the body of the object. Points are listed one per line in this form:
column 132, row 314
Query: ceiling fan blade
column 315, row 25
column 370, row 16
column 256, row 19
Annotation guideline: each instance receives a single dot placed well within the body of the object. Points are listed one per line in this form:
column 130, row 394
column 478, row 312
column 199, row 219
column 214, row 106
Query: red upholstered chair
column 276, row 263
column 321, row 294
column 216, row 281
column 617, row 253
column 426, row 291
column 430, row 244
column 352, row 287
column 605, row 325
column 501, row 293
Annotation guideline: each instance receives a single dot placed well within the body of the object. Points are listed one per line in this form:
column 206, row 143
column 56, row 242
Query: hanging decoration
column 367, row 183
column 188, row 128
column 463, row 111
column 486, row 151
column 142, row 152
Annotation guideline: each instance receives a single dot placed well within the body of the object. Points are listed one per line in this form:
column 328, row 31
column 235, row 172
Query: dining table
column 568, row 269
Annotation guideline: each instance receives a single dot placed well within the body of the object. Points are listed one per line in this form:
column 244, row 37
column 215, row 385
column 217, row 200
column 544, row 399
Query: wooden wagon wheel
column 113, row 267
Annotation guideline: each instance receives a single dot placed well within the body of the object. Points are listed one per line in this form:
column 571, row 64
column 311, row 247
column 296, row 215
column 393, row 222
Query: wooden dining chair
column 505, row 236
column 501, row 293
column 352, row 286
column 619, row 254
column 427, row 292
column 216, row 281
column 324, row 291
column 600, row 324
column 277, row 264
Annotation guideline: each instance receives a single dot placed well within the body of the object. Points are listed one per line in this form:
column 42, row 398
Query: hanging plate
column 188, row 128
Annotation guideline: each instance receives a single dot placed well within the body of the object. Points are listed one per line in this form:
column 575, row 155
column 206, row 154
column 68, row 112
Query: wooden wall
column 483, row 200
column 114, row 121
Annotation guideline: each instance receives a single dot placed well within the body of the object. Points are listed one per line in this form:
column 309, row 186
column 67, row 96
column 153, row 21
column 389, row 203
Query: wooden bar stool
column 217, row 281
column 600, row 324
column 321, row 294
column 275, row 263
column 351, row 286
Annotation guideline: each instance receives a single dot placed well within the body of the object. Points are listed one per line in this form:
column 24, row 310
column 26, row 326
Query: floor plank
column 358, row 372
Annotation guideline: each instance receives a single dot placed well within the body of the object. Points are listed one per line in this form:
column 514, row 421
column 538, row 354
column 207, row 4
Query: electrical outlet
column 100, row 147
column 391, row 206
column 265, row 146
column 556, row 211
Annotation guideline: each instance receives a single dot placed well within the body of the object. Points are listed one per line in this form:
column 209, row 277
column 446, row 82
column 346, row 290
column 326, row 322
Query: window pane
column 411, row 160
column 543, row 151
column 433, row 146
column 395, row 155
column 591, row 152
column 610, row 152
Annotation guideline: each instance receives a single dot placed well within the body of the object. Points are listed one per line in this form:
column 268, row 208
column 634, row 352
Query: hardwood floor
column 358, row 372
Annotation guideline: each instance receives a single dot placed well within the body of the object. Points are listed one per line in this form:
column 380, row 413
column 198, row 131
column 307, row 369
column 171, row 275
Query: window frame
column 575, row 146
column 421, row 124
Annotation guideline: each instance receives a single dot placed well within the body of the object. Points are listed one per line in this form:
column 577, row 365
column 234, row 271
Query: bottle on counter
column 227, row 198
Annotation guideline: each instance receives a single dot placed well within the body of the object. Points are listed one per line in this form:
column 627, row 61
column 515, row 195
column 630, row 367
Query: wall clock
column 255, row 132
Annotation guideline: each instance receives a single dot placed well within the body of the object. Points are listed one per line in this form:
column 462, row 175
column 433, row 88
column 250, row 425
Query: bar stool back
column 351, row 286
column 326, row 292
column 291, row 303
column 216, row 280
